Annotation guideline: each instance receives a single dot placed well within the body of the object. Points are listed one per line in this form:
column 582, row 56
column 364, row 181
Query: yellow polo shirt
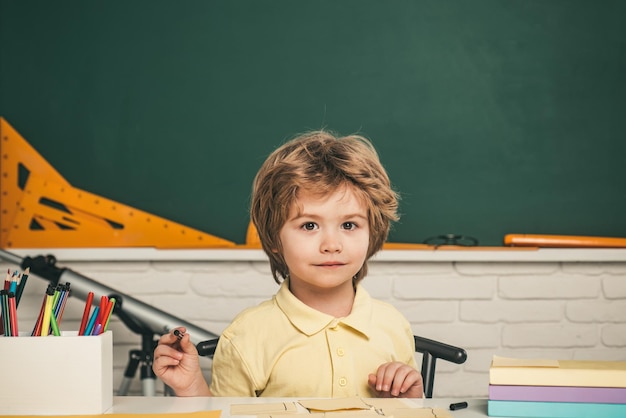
column 284, row 348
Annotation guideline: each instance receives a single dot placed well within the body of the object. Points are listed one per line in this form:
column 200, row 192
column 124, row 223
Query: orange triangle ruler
column 40, row 209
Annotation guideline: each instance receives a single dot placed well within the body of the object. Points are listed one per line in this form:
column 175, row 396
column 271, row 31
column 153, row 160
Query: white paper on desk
column 406, row 408
column 277, row 408
column 352, row 413
column 335, row 404
column 358, row 413
column 417, row 413
column 353, row 403
column 390, row 403
column 403, row 412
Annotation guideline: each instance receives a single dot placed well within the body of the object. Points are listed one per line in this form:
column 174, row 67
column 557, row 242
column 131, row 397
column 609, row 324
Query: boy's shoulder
column 382, row 312
column 258, row 315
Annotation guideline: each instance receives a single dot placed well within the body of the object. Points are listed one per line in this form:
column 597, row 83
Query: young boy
column 322, row 206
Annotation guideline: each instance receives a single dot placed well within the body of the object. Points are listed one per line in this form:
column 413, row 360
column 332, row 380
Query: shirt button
column 340, row 352
column 343, row 381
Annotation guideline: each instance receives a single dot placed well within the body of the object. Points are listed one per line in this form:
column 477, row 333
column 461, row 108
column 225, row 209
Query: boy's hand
column 397, row 380
column 176, row 363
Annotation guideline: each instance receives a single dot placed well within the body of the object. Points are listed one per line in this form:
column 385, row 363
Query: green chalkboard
column 492, row 116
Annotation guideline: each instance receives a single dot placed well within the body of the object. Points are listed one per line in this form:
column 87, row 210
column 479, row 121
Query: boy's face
column 325, row 241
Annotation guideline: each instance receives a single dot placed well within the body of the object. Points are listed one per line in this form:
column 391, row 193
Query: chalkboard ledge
column 491, row 254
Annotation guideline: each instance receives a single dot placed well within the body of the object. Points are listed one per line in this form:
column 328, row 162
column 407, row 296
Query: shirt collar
column 311, row 321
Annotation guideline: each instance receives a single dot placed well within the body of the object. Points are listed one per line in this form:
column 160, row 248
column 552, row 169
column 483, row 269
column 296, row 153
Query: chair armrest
column 440, row 350
column 432, row 350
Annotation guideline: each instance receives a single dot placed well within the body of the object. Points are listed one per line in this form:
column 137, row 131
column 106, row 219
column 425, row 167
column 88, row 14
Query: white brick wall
column 550, row 309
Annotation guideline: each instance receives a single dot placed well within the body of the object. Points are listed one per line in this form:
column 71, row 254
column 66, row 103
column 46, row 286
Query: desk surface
column 167, row 404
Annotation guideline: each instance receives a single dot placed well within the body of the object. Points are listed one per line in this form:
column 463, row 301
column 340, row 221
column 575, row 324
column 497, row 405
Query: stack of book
column 556, row 388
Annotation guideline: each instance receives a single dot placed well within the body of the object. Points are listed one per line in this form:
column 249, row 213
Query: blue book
column 528, row 409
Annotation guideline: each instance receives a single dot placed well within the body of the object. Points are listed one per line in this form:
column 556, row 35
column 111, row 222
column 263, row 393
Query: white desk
column 167, row 404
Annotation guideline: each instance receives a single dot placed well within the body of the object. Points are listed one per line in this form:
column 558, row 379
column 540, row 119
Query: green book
column 528, row 409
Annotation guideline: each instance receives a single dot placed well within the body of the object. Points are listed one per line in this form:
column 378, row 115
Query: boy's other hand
column 397, row 380
column 176, row 363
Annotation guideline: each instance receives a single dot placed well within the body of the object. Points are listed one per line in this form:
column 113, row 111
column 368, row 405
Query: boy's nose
column 331, row 244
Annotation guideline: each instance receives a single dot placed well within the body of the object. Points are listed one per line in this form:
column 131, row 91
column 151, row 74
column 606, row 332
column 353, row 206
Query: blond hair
column 320, row 162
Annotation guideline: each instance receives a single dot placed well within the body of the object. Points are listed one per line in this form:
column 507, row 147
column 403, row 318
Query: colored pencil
column 13, row 314
column 55, row 326
column 45, row 323
column 37, row 328
column 83, row 322
column 92, row 321
column 107, row 316
column 20, row 287
column 6, row 330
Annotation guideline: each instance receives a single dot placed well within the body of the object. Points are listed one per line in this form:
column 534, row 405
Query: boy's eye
column 349, row 226
column 309, row 226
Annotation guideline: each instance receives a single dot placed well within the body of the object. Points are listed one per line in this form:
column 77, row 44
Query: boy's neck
column 336, row 302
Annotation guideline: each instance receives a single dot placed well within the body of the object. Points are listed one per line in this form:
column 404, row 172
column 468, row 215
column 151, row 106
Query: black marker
column 459, row 405
column 178, row 334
